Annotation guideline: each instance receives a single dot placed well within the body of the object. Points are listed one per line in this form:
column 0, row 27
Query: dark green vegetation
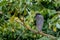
column 14, row 10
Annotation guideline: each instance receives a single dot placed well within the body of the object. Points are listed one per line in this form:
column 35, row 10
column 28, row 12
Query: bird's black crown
column 38, row 14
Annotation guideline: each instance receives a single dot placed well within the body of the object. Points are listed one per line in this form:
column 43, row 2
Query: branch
column 34, row 31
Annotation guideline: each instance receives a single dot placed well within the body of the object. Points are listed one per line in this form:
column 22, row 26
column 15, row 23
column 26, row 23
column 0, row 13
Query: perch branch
column 34, row 31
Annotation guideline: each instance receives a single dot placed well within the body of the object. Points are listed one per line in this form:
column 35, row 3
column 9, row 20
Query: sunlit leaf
column 54, row 29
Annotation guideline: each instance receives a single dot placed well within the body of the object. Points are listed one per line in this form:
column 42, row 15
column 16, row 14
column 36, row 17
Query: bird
column 39, row 21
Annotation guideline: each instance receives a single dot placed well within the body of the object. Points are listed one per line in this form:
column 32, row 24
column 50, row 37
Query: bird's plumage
column 39, row 21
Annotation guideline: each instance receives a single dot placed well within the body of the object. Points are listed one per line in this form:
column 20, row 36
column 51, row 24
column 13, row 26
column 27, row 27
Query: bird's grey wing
column 39, row 22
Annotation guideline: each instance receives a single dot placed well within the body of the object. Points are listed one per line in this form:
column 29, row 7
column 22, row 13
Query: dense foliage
column 12, row 10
